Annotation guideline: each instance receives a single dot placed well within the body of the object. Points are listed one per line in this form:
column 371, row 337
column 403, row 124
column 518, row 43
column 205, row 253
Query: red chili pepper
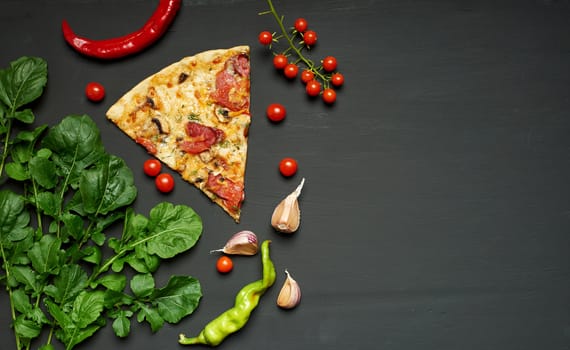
column 128, row 44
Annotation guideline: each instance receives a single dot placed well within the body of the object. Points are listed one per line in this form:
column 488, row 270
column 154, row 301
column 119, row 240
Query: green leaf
column 107, row 187
column 87, row 308
column 21, row 301
column 48, row 203
column 108, row 220
column 60, row 317
column 98, row 238
column 179, row 298
column 25, row 116
column 26, row 328
column 22, row 148
column 26, row 276
column 135, row 225
column 70, row 282
column 14, row 219
column 43, row 171
column 30, row 136
column 82, row 321
column 69, row 332
column 137, row 264
column 23, row 82
column 19, row 250
column 17, row 171
column 172, row 230
column 92, row 254
column 115, row 282
column 151, row 316
column 73, row 226
column 80, row 335
column 76, row 144
column 114, row 299
column 122, row 325
column 37, row 315
column 142, row 285
column 45, row 255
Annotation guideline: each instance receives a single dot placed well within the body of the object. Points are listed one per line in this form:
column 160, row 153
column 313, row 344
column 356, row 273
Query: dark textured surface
column 436, row 212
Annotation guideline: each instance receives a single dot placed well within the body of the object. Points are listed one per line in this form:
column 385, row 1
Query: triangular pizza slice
column 194, row 116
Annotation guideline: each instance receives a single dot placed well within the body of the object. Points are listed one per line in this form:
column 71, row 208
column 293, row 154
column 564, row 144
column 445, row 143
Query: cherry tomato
column 313, row 88
column 329, row 95
column 301, row 25
column 265, row 38
column 95, row 92
column 280, row 61
column 164, row 182
column 152, row 167
column 329, row 63
column 337, row 79
column 307, row 76
column 310, row 37
column 276, row 112
column 224, row 264
column 291, row 70
column 288, row 167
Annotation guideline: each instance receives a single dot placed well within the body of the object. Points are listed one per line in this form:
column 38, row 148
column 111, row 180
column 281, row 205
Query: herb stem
column 7, row 268
column 6, row 143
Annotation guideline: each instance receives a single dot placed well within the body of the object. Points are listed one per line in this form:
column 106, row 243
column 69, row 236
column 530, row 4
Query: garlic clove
column 287, row 215
column 241, row 243
column 290, row 294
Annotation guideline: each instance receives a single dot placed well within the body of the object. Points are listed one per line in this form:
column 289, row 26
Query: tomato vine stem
column 292, row 46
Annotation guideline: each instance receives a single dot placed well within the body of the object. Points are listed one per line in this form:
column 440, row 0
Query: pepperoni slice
column 194, row 147
column 231, row 192
column 232, row 84
column 241, row 65
column 202, row 137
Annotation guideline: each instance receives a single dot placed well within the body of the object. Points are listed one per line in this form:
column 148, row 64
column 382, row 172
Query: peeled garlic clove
column 287, row 215
column 241, row 243
column 290, row 294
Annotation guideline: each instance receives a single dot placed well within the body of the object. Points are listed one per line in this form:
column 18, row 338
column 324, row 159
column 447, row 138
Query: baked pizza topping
column 194, row 116
column 201, row 138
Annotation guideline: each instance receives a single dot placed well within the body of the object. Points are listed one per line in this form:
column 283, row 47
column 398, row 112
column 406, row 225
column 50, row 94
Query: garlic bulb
column 287, row 215
column 241, row 243
column 290, row 294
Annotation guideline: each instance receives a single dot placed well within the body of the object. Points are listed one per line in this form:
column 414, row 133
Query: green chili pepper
column 235, row 318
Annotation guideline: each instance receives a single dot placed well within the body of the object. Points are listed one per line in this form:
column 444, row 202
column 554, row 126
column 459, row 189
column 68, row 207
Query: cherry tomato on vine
column 276, row 112
column 224, row 264
column 313, row 88
column 95, row 92
column 329, row 95
column 280, row 61
column 265, row 38
column 301, row 25
column 337, row 79
column 291, row 70
column 164, row 182
column 152, row 167
column 310, row 37
column 329, row 63
column 307, row 76
column 288, row 167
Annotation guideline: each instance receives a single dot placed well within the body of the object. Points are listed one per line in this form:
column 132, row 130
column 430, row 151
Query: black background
column 436, row 209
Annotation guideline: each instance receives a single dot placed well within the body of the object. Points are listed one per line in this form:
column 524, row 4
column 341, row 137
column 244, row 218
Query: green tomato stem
column 310, row 64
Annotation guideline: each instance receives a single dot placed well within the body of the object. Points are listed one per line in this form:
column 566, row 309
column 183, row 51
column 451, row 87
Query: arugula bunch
column 61, row 191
